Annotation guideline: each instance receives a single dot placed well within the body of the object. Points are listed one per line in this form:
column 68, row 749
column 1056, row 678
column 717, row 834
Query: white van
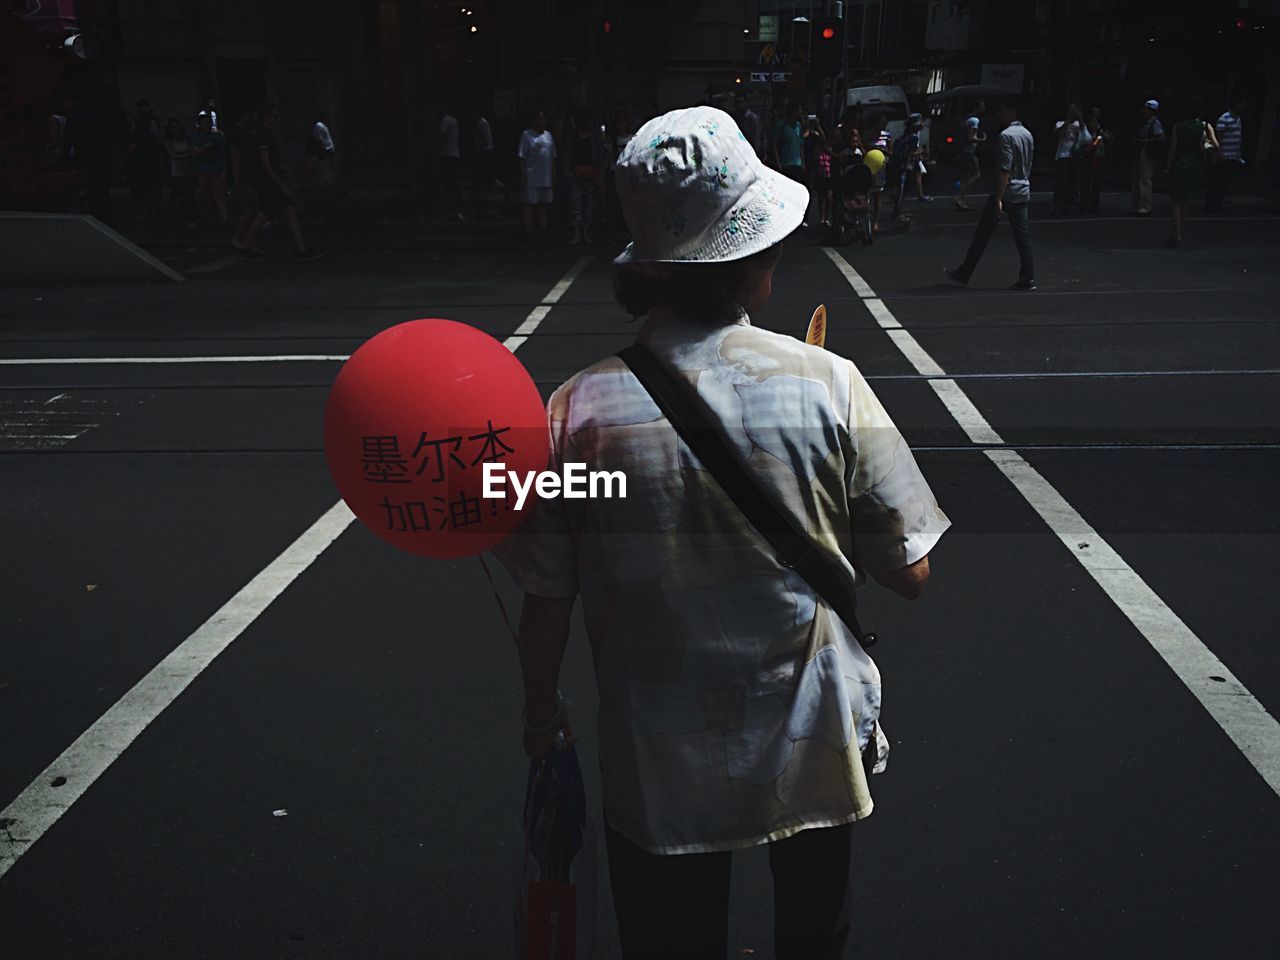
column 891, row 101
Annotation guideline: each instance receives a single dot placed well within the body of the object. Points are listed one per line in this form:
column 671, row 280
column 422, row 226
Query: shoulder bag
column 794, row 549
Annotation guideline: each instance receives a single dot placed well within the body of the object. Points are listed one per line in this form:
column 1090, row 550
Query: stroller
column 853, row 217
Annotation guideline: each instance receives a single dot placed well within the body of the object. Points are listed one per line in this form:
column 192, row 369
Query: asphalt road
column 1055, row 789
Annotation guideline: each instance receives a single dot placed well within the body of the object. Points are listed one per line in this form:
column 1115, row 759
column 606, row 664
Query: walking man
column 970, row 172
column 1230, row 131
column 1014, row 151
column 1150, row 141
column 450, row 160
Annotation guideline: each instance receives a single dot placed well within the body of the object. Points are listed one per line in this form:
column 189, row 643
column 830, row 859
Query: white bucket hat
column 693, row 189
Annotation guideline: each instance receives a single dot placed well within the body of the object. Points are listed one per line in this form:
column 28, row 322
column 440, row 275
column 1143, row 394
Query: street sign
column 768, row 30
column 1006, row 76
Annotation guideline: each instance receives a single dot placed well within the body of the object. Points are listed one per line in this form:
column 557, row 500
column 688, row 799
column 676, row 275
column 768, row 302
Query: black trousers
column 677, row 907
column 1021, row 224
column 1066, row 172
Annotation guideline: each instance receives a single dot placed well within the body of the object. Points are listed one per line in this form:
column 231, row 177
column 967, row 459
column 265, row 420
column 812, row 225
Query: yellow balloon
column 874, row 161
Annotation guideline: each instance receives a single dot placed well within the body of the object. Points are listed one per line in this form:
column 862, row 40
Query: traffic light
column 828, row 46
column 607, row 40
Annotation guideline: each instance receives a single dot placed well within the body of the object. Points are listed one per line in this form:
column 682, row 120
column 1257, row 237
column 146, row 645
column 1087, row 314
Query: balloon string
column 502, row 607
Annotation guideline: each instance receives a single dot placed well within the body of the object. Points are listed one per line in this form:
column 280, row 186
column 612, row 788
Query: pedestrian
column 586, row 160
column 1230, row 159
column 323, row 135
column 242, row 145
column 881, row 139
column 537, row 153
column 822, row 178
column 59, row 113
column 622, row 131
column 736, row 708
column 145, row 161
column 209, row 108
column 908, row 164
column 749, row 122
column 777, row 121
column 1187, row 164
column 90, row 145
column 483, row 163
column 182, row 169
column 269, row 181
column 1015, row 151
column 788, row 146
column 1071, row 139
column 1093, row 161
column 970, row 171
column 209, row 151
column 450, row 161
column 1150, row 141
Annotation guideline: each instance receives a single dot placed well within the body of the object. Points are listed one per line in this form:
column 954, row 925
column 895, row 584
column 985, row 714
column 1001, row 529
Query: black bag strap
column 793, row 547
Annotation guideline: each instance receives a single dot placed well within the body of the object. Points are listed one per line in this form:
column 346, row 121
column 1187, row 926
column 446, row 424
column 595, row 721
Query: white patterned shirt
column 734, row 705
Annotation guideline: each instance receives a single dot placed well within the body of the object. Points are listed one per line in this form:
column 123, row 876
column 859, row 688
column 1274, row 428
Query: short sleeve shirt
column 790, row 145
column 1014, row 153
column 538, row 151
column 734, row 705
column 970, row 146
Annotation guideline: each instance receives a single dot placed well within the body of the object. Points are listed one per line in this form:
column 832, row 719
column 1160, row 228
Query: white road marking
column 962, row 410
column 1235, row 709
column 1246, row 721
column 855, row 279
column 539, row 313
column 36, row 424
column 883, row 317
column 64, row 781
column 919, row 358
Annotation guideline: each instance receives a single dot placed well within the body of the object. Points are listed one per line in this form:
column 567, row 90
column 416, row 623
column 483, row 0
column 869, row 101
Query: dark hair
column 1195, row 107
column 1237, row 101
column 713, row 292
column 1009, row 101
column 168, row 129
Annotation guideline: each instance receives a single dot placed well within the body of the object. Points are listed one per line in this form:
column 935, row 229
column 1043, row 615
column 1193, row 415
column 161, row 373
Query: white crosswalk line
column 51, row 794
column 1228, row 701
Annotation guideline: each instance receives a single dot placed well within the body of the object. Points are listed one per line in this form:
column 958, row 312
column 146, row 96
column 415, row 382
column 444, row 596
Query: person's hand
column 999, row 208
column 539, row 745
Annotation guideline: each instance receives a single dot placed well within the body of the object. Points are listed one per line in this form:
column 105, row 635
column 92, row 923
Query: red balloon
column 411, row 420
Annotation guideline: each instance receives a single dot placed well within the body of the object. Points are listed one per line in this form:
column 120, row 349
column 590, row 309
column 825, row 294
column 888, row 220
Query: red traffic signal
column 828, row 46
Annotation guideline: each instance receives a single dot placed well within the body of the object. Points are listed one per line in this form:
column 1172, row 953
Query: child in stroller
column 854, row 219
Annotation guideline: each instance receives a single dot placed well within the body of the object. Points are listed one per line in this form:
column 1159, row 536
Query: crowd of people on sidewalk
column 207, row 168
